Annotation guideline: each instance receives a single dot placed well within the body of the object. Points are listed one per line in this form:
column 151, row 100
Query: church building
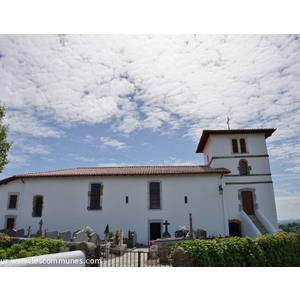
column 232, row 194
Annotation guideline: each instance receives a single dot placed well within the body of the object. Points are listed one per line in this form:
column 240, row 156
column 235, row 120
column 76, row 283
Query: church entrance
column 155, row 230
column 247, row 201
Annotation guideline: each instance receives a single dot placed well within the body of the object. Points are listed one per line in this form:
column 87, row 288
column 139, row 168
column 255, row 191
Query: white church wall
column 65, row 202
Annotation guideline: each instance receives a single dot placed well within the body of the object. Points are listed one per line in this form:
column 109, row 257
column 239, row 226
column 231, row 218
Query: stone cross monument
column 166, row 234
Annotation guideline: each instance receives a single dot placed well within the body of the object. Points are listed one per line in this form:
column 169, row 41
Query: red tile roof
column 122, row 171
column 206, row 133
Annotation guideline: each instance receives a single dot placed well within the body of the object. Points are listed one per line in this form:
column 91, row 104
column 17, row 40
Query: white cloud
column 83, row 158
column 157, row 82
column 109, row 142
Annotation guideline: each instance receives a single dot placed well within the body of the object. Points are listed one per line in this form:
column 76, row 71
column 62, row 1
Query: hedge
column 271, row 250
column 28, row 248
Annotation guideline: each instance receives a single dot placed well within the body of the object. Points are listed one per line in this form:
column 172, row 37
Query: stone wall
column 181, row 258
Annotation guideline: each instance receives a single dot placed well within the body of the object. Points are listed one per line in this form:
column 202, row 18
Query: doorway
column 235, row 228
column 10, row 224
column 155, row 230
column 247, row 202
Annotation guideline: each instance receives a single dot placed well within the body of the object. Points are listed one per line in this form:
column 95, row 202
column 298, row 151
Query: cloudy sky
column 116, row 100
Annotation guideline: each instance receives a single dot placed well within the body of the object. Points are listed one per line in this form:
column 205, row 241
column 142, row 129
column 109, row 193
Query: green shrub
column 274, row 250
column 32, row 247
column 281, row 249
column 4, row 241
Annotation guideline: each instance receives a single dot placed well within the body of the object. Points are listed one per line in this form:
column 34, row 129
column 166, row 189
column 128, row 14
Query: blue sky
column 115, row 100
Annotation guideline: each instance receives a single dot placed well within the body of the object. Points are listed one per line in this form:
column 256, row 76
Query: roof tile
column 122, row 171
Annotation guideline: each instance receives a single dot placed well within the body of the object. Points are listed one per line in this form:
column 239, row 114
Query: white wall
column 66, row 201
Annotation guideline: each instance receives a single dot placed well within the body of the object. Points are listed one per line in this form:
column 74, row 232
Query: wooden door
column 247, row 201
column 10, row 223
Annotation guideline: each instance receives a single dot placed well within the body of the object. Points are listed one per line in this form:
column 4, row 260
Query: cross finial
column 228, row 123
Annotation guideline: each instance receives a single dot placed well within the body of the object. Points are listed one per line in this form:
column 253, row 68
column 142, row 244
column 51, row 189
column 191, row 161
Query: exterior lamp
column 220, row 189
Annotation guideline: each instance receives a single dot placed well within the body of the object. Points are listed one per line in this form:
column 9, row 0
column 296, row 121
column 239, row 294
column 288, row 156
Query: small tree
column 106, row 231
column 4, row 144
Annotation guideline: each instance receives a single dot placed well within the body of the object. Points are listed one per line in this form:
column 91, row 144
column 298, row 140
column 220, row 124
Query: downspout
column 21, row 203
column 223, row 205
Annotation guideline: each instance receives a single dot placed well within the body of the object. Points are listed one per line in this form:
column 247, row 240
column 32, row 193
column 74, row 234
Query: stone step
column 258, row 224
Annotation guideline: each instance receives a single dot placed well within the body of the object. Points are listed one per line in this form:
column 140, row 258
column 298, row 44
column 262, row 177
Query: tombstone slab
column 95, row 238
column 153, row 251
column 10, row 232
column 51, row 234
column 81, row 236
column 65, row 236
column 20, row 233
column 121, row 237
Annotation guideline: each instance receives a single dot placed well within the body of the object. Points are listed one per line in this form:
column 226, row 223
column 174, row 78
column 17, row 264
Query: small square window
column 185, row 199
column 126, row 199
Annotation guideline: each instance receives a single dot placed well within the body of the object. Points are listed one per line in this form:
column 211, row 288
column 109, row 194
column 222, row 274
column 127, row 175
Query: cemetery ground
column 114, row 250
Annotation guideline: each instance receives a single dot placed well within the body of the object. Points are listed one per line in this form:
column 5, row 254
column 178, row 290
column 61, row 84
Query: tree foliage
column 4, row 144
column 290, row 227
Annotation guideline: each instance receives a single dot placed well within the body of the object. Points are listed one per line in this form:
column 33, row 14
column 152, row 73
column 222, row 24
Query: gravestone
column 10, row 232
column 153, row 251
column 134, row 238
column 65, row 236
column 40, row 229
column 29, row 230
column 95, row 238
column 191, row 227
column 166, row 234
column 20, row 233
column 80, row 236
column 164, row 252
column 107, row 248
column 121, row 237
column 51, row 235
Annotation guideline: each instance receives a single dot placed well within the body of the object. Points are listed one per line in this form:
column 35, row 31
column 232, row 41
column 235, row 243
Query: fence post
column 98, row 253
column 139, row 258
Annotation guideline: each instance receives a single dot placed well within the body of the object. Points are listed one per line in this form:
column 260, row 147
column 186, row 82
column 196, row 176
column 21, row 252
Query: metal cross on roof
column 228, row 123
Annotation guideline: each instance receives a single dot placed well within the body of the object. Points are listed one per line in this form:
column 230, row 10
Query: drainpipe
column 223, row 205
column 19, row 214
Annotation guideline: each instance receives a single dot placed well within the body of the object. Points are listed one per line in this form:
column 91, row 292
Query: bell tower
column 243, row 152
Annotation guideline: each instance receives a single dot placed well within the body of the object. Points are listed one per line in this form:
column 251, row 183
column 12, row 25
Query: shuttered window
column 37, row 206
column 235, row 146
column 13, row 201
column 95, row 196
column 154, row 195
column 243, row 145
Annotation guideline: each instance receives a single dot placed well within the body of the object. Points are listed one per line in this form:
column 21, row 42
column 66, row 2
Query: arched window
column 37, row 206
column 243, row 167
column 243, row 146
column 235, row 146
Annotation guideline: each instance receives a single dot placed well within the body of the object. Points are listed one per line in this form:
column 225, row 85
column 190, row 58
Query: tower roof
column 206, row 133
